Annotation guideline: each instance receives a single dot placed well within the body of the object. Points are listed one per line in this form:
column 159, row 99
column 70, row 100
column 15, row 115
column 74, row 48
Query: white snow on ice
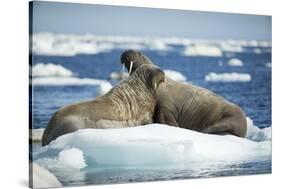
column 228, row 77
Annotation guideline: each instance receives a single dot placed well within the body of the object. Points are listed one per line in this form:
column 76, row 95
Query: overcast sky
column 132, row 21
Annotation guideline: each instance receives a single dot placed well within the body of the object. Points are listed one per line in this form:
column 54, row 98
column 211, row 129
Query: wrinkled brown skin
column 192, row 107
column 130, row 103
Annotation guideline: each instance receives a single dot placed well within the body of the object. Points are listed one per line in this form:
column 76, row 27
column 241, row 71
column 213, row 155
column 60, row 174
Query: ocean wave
column 71, row 45
column 235, row 62
column 165, row 145
column 177, row 76
column 50, row 70
column 228, row 77
column 202, row 50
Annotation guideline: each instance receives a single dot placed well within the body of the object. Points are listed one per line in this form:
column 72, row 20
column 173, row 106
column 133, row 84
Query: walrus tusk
column 131, row 66
column 123, row 69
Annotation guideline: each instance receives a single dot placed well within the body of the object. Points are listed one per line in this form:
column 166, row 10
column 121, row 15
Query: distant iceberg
column 228, row 77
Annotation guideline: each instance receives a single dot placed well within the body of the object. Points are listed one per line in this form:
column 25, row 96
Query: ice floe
column 50, row 70
column 175, row 75
column 153, row 144
column 235, row 62
column 202, row 50
column 228, row 77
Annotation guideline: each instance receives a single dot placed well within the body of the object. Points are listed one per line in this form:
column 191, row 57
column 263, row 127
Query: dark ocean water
column 254, row 97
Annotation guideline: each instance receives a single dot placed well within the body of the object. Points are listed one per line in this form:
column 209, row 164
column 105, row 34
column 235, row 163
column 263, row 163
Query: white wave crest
column 202, row 50
column 235, row 62
column 177, row 76
column 50, row 70
column 228, row 77
column 153, row 144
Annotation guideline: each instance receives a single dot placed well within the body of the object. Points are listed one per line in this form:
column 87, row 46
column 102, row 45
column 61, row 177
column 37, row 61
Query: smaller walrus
column 130, row 103
column 189, row 106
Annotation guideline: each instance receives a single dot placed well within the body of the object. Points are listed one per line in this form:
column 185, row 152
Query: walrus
column 189, row 106
column 130, row 103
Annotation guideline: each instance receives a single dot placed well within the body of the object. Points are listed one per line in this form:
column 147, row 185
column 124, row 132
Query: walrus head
column 132, row 59
column 152, row 75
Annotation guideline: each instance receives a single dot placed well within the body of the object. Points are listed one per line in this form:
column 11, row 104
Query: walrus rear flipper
column 68, row 126
column 228, row 126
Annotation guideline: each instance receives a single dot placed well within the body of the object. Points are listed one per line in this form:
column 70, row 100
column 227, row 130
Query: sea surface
column 252, row 95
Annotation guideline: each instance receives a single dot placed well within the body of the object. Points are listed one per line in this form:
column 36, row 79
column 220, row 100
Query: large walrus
column 191, row 107
column 130, row 103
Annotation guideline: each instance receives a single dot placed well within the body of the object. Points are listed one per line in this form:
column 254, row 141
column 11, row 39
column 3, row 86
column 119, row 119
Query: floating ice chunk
column 118, row 76
column 50, row 70
column 235, row 62
column 153, row 144
column 157, row 44
column 256, row 134
column 231, row 46
column 57, row 81
column 42, row 178
column 66, row 45
column 177, row 76
column 202, row 50
column 228, row 77
column 72, row 157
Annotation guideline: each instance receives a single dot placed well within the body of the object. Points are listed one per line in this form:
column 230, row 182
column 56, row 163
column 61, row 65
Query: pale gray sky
column 133, row 21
